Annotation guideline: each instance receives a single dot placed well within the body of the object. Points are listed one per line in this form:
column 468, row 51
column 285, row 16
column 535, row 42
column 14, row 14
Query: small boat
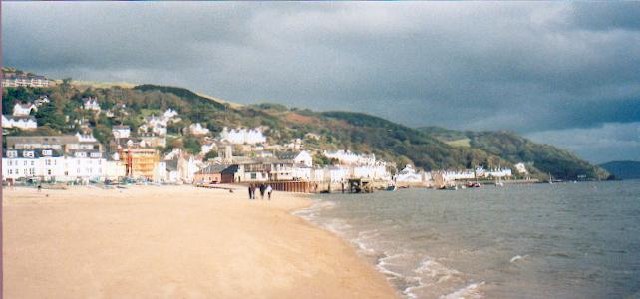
column 392, row 188
column 473, row 185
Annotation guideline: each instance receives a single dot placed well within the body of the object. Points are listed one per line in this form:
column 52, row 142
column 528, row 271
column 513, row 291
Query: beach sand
column 174, row 242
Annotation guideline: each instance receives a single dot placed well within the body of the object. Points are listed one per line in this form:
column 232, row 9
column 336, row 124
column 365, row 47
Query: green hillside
column 513, row 148
column 429, row 148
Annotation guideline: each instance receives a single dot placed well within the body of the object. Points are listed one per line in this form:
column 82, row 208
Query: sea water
column 569, row 240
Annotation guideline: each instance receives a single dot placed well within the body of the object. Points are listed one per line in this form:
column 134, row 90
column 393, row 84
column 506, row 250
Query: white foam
column 517, row 258
column 470, row 291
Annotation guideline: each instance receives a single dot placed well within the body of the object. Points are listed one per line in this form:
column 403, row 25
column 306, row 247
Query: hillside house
column 242, row 136
column 20, row 109
column 41, row 101
column 198, row 130
column 121, row 132
column 91, row 104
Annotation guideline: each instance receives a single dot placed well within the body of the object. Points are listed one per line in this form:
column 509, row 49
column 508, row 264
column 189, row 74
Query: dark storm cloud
column 526, row 67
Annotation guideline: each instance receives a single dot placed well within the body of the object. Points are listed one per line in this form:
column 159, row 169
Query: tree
column 191, row 145
column 48, row 116
column 210, row 155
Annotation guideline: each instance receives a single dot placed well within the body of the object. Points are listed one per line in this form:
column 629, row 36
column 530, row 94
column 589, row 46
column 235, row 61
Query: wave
column 411, row 272
column 470, row 291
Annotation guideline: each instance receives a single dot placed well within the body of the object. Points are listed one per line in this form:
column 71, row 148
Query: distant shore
column 174, row 242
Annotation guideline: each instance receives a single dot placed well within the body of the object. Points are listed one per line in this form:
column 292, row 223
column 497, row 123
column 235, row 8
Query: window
column 25, row 163
column 12, row 154
column 49, row 172
column 10, row 171
column 33, row 163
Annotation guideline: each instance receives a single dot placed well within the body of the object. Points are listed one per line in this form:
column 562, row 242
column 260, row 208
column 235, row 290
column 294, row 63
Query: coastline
column 187, row 242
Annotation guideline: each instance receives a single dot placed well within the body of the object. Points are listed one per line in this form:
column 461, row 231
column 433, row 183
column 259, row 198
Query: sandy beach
column 174, row 242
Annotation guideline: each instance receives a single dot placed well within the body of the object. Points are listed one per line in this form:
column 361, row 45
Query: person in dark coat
column 262, row 188
column 250, row 191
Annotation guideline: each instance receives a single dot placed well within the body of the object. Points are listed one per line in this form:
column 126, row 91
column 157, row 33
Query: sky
column 566, row 74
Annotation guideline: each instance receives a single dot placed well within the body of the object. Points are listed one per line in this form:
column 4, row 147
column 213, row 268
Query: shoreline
column 187, row 242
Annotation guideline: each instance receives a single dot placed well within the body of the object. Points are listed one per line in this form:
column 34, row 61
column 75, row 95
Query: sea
column 562, row 240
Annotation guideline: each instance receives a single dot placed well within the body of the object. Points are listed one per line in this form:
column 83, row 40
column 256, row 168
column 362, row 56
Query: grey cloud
column 525, row 67
column 606, row 143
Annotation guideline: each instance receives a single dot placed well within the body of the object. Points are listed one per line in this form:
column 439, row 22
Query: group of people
column 262, row 188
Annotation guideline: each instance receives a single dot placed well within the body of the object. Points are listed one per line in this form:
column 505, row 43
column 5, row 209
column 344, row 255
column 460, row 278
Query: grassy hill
column 429, row 148
column 513, row 148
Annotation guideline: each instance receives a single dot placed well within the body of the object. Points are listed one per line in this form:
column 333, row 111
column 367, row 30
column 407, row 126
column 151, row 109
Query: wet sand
column 174, row 242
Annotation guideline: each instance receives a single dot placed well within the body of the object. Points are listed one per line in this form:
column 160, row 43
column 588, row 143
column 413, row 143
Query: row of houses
column 24, row 80
column 287, row 166
column 55, row 165
column 19, row 122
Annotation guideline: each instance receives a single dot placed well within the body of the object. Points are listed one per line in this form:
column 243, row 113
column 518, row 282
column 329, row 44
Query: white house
column 242, row 136
column 169, row 113
column 41, row 101
column 348, row 157
column 85, row 137
column 336, row 173
column 375, row 171
column 408, row 175
column 23, row 109
column 91, row 104
column 197, row 129
column 498, row 173
column 121, row 132
column 115, row 169
column 301, row 157
column 521, row 168
column 20, row 122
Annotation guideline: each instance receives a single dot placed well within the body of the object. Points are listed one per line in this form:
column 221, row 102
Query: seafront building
column 65, row 143
column 53, row 165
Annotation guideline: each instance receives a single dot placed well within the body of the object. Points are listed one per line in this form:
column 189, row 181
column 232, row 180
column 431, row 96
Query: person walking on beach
column 39, row 187
column 250, row 191
column 269, row 190
column 255, row 190
column 262, row 188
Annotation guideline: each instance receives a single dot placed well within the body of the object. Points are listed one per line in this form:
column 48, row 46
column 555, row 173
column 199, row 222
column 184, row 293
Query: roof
column 13, row 117
column 219, row 168
column 287, row 155
column 214, row 168
column 37, row 153
column 172, row 164
column 64, row 139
